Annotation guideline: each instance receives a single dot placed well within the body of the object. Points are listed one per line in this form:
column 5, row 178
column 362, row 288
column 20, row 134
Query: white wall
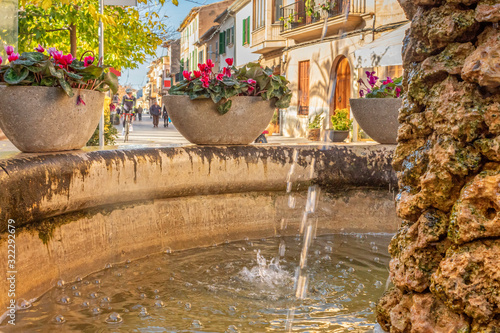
column 243, row 53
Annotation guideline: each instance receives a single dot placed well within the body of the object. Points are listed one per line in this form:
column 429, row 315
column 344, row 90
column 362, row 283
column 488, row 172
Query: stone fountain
column 446, row 255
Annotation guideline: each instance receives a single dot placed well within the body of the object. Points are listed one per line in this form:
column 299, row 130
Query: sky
column 176, row 14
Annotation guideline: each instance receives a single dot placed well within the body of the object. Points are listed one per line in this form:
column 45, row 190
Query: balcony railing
column 298, row 14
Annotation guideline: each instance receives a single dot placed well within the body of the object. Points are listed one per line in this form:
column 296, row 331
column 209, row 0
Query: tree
column 72, row 26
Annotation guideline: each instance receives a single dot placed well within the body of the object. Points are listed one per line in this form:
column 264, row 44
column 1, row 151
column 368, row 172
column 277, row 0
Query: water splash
column 269, row 273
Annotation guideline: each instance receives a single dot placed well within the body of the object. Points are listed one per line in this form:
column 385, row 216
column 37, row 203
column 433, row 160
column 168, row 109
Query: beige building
column 323, row 48
column 197, row 22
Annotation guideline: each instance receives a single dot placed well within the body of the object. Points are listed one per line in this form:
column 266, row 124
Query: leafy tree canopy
column 130, row 34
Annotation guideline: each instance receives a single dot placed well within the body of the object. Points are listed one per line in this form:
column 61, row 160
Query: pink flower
column 88, row 61
column 51, row 51
column 250, row 89
column 9, row 49
column 187, row 75
column 372, row 80
column 197, row 74
column 361, row 93
column 227, row 71
column 67, row 59
column 13, row 57
column 229, row 61
column 251, row 81
column 220, row 76
column 210, row 63
column 398, row 91
column 205, row 81
column 1, row 60
column 388, row 81
column 202, row 67
column 40, row 48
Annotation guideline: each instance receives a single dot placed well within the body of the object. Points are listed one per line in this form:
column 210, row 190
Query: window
column 222, row 42
column 303, row 107
column 246, row 31
column 259, row 13
column 200, row 57
column 277, row 10
column 216, row 49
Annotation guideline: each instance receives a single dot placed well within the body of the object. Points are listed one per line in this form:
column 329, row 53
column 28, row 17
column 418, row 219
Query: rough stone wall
column 446, row 255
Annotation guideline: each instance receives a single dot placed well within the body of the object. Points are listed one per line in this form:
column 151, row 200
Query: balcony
column 302, row 24
column 267, row 39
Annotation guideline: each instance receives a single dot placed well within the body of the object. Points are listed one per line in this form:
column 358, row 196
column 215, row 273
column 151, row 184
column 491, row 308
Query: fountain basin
column 83, row 210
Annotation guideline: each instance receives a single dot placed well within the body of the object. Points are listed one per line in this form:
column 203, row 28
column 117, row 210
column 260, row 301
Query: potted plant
column 314, row 127
column 377, row 110
column 231, row 107
column 341, row 125
column 50, row 101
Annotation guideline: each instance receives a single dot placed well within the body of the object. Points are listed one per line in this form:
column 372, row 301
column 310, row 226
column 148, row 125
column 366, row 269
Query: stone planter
column 336, row 136
column 313, row 134
column 378, row 117
column 45, row 119
column 200, row 123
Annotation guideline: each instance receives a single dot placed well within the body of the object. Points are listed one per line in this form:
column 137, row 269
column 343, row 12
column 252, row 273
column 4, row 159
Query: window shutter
column 221, row 36
column 232, row 34
column 244, row 31
column 248, row 30
column 223, row 42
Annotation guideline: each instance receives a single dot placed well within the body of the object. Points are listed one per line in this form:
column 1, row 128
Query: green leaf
column 223, row 108
column 14, row 77
column 73, row 75
column 112, row 81
column 23, row 62
column 66, row 87
column 48, row 81
column 57, row 73
column 34, row 56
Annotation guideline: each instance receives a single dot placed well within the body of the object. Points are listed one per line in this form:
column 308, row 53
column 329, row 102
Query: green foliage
column 129, row 37
column 39, row 69
column 340, row 120
column 110, row 132
column 249, row 80
column 317, row 121
column 387, row 90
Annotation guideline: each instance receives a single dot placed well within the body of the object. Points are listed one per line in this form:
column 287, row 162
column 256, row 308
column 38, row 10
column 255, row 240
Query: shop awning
column 383, row 51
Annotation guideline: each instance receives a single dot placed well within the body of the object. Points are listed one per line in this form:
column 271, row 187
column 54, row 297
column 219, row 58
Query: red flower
column 202, row 67
column 197, row 74
column 388, row 81
column 88, row 61
column 251, row 81
column 187, row 75
column 220, row 76
column 40, row 48
column 9, row 49
column 398, row 91
column 13, row 57
column 205, row 81
column 229, row 61
column 1, row 60
column 210, row 63
column 227, row 71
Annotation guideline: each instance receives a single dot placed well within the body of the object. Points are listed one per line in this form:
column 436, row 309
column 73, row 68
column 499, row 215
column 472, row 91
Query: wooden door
column 342, row 86
column 303, row 88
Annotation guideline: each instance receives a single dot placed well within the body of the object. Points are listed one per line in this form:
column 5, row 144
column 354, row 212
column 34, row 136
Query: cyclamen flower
column 187, row 75
column 88, row 61
column 361, row 93
column 197, row 74
column 251, row 81
column 13, row 57
column 202, row 67
column 9, row 49
column 210, row 63
column 40, row 48
column 205, row 81
column 229, row 61
column 372, row 80
column 220, row 76
column 389, row 80
column 1, row 60
column 227, row 71
column 51, row 51
column 398, row 91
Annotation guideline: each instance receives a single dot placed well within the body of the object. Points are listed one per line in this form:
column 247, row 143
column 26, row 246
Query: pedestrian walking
column 139, row 112
column 165, row 116
column 155, row 111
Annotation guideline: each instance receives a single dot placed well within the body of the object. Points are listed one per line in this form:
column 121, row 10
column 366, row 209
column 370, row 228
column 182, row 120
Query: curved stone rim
column 36, row 187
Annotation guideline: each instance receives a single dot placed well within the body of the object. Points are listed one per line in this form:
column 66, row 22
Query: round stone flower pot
column 200, row 122
column 337, row 136
column 45, row 119
column 378, row 117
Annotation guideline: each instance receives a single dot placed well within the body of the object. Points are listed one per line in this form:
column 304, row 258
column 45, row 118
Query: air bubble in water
column 97, row 281
column 86, row 304
column 144, row 312
column 232, row 329
column 196, row 324
column 96, row 311
column 60, row 284
column 188, row 306
column 93, row 295
column 378, row 284
column 106, row 299
column 232, row 308
column 64, row 300
column 159, row 304
column 142, row 295
column 376, row 259
column 77, row 294
column 59, row 319
column 108, row 266
column 114, row 318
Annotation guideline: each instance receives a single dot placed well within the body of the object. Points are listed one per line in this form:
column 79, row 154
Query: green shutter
column 248, row 30
column 228, row 36
column 244, row 40
column 221, row 36
column 232, row 34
